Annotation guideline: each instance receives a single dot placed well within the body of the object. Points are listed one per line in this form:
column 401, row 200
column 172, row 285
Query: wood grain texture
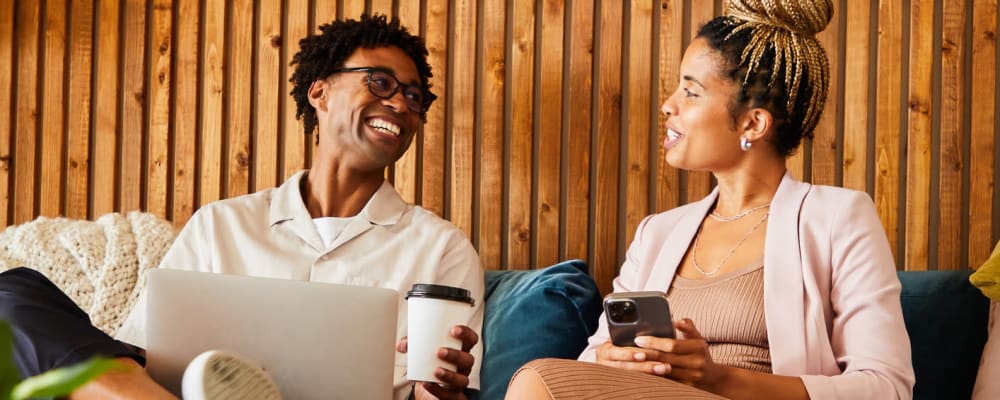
column 26, row 111
column 325, row 11
column 463, row 118
column 385, row 6
column 353, row 9
column 433, row 155
column 7, row 13
column 158, row 123
column 519, row 235
column 133, row 106
column 78, row 118
column 548, row 212
column 238, row 94
column 668, row 189
column 53, row 114
column 824, row 143
column 640, row 74
column 605, row 257
column 857, row 99
column 266, row 113
column 294, row 138
column 579, row 131
column 982, row 142
column 887, row 123
column 106, row 92
column 184, row 119
column 212, row 84
column 491, row 145
column 953, row 137
column 918, row 137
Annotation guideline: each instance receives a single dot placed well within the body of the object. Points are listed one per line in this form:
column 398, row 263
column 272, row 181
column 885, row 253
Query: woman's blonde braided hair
column 788, row 28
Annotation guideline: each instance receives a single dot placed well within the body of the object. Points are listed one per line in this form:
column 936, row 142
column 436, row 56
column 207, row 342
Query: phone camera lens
column 622, row 311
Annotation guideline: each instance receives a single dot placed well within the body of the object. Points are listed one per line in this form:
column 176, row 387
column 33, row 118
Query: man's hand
column 456, row 381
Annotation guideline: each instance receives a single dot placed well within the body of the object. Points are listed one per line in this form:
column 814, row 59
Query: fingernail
column 642, row 340
column 660, row 369
column 640, row 356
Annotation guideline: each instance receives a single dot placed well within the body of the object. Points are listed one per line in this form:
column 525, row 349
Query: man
column 363, row 86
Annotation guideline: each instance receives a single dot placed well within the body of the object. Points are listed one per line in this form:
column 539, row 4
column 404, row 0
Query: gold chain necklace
column 694, row 252
column 718, row 217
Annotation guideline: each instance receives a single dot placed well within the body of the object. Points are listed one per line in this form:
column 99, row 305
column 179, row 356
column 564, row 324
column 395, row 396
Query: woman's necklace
column 694, row 252
column 718, row 217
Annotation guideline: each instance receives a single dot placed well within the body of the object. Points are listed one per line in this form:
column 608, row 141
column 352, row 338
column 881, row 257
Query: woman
column 779, row 289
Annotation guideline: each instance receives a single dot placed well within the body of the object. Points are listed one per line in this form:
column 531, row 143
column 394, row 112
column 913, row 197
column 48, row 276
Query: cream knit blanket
column 99, row 264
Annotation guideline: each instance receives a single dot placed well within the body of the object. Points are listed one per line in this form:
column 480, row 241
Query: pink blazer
column 831, row 294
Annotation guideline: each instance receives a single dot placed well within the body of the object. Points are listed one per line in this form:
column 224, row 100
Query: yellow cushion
column 987, row 277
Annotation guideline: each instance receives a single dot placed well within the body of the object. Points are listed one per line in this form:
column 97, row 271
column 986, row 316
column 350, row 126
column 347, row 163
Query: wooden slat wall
column 545, row 143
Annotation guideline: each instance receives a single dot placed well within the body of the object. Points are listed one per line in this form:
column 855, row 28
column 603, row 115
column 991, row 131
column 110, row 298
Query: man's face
column 361, row 130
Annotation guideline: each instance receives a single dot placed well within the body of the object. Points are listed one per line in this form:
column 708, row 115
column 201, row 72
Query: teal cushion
column 946, row 319
column 548, row 312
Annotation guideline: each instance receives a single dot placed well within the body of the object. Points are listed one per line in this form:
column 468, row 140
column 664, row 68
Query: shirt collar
column 385, row 207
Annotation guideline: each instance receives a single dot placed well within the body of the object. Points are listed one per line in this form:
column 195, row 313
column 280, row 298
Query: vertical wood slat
column 640, row 75
column 184, row 118
column 53, row 112
column 132, row 106
column 463, row 119
column 605, row 193
column 698, row 182
column 983, row 130
column 106, row 93
column 491, row 147
column 7, row 12
column 325, row 12
column 81, row 50
column 295, row 139
column 433, row 155
column 579, row 129
column 405, row 170
column 26, row 114
column 353, row 9
column 549, row 136
column 952, row 136
column 238, row 100
column 522, row 61
column 890, row 17
column 267, row 89
column 211, row 86
column 668, row 190
column 824, row 143
column 857, row 63
column 158, row 106
column 918, row 137
column 385, row 7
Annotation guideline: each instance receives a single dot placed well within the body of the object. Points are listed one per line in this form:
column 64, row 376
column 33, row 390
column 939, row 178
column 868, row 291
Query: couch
column 550, row 312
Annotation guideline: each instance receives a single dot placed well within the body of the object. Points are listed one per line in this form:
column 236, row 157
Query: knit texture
column 99, row 264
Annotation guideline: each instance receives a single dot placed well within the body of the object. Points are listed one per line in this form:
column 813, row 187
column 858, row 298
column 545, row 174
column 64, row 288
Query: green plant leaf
column 8, row 371
column 62, row 381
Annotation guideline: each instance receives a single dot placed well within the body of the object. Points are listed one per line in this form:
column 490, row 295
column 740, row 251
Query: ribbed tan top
column 728, row 310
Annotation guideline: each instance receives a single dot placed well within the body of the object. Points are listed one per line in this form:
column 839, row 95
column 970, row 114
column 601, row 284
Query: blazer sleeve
column 629, row 279
column 868, row 336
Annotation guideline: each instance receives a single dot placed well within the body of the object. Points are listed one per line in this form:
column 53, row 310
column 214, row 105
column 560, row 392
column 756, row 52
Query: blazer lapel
column 784, row 295
column 678, row 241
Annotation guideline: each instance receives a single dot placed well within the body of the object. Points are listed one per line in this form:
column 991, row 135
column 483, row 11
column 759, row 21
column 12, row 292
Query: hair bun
column 804, row 17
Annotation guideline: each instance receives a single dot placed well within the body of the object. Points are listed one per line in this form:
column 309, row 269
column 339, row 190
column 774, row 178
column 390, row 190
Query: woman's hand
column 685, row 360
column 454, row 382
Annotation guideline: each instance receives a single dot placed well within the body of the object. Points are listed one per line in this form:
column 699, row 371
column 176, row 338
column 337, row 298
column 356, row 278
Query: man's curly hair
column 320, row 54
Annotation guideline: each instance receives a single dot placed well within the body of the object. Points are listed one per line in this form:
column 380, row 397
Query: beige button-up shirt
column 271, row 234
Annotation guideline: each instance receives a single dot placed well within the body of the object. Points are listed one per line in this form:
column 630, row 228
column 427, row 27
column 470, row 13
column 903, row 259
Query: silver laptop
column 318, row 340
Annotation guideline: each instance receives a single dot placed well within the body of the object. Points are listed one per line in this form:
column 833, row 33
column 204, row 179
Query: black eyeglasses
column 383, row 84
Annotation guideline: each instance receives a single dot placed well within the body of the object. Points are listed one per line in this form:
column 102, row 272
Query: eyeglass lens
column 385, row 85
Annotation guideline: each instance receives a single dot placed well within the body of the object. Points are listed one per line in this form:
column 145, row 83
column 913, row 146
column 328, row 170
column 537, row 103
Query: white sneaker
column 222, row 375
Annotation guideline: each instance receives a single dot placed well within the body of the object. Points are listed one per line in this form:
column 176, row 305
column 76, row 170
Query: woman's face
column 701, row 132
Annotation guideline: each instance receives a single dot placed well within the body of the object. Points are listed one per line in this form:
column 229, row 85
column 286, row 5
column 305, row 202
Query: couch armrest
column 988, row 379
column 548, row 312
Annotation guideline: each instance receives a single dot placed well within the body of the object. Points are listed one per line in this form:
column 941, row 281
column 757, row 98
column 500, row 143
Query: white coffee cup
column 433, row 311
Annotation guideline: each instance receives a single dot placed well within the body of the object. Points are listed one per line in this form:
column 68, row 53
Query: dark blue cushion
column 548, row 312
column 946, row 319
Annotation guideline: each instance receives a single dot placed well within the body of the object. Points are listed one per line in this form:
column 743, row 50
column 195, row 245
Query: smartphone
column 632, row 314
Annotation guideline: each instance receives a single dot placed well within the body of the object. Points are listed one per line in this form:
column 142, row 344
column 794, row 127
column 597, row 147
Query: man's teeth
column 384, row 125
column 672, row 134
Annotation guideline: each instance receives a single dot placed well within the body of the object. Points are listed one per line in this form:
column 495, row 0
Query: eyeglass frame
column 428, row 97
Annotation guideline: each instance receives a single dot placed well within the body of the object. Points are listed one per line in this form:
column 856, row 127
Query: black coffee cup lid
column 440, row 292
